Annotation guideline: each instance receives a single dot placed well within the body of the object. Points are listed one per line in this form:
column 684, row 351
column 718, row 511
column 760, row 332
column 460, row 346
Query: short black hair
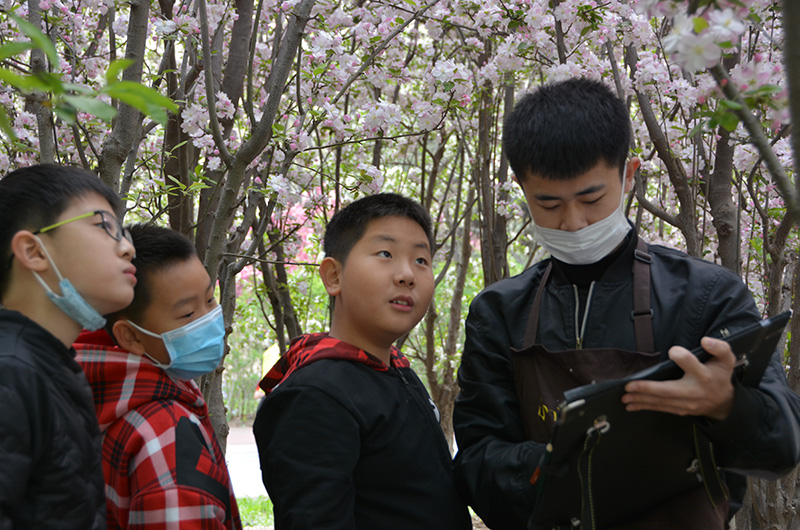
column 35, row 196
column 156, row 249
column 562, row 130
column 348, row 225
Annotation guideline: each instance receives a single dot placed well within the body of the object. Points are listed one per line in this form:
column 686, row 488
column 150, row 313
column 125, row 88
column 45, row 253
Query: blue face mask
column 70, row 301
column 194, row 349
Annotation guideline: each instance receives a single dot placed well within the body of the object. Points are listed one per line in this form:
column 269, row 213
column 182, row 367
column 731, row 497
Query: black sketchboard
column 642, row 458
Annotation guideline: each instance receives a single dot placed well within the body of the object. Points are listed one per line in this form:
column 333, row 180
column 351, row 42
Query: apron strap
column 532, row 327
column 642, row 313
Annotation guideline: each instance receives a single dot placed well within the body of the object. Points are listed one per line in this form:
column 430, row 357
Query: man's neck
column 583, row 275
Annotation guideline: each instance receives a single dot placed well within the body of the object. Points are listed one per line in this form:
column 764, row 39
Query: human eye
column 384, row 254
column 422, row 261
column 106, row 225
column 110, row 225
column 549, row 206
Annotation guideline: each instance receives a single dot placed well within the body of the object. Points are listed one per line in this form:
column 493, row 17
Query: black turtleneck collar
column 583, row 275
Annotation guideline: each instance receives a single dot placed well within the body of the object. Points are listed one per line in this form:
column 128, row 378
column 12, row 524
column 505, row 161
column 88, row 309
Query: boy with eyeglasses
column 66, row 262
column 162, row 465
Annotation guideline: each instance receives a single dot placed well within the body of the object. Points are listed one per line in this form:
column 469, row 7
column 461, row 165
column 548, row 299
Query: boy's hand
column 704, row 390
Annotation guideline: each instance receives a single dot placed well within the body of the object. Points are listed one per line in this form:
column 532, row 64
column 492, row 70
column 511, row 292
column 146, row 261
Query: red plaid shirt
column 162, row 464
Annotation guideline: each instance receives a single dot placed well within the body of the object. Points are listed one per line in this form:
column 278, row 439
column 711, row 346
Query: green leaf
column 5, row 124
column 77, row 89
column 728, row 104
column 319, row 70
column 66, row 113
column 699, row 24
column 180, row 184
column 14, row 48
column 17, row 81
column 93, row 106
column 728, row 120
column 116, row 68
column 39, row 39
column 145, row 99
column 695, row 130
column 47, row 82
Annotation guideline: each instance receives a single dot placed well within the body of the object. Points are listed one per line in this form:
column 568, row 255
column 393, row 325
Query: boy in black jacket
column 64, row 261
column 347, row 434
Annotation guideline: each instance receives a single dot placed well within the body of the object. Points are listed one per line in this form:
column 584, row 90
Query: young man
column 347, row 434
column 568, row 144
column 162, row 464
column 65, row 261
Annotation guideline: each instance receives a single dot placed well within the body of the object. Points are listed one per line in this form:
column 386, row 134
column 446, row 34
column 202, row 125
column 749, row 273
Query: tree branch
column 759, row 140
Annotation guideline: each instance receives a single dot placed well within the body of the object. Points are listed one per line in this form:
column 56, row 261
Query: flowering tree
column 288, row 110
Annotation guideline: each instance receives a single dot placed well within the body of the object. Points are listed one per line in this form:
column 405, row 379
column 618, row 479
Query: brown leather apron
column 542, row 377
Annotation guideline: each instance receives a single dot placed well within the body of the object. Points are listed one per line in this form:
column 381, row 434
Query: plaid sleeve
column 164, row 471
column 178, row 507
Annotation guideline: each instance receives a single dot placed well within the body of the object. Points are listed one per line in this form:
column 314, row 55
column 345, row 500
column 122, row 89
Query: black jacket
column 690, row 298
column 345, row 446
column 50, row 471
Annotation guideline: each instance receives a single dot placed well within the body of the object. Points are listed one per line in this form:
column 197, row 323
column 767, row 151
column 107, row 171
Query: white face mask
column 591, row 243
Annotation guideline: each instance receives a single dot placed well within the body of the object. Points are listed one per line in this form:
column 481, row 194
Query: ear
column 27, row 250
column 630, row 171
column 330, row 270
column 127, row 337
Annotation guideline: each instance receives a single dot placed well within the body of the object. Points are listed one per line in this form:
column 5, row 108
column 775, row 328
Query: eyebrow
column 389, row 239
column 190, row 299
column 587, row 191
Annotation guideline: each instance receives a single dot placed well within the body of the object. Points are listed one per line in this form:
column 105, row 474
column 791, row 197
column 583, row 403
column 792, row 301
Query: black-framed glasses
column 109, row 223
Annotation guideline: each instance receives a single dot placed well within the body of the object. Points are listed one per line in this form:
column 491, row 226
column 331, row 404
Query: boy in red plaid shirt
column 162, row 464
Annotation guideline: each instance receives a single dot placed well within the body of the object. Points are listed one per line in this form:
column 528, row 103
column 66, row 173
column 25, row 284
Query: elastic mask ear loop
column 156, row 335
column 52, row 264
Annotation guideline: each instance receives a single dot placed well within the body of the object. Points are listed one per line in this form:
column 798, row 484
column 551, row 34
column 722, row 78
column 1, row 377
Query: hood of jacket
column 122, row 381
column 313, row 347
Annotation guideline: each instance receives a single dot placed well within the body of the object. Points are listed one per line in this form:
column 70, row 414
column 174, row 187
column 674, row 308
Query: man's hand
column 704, row 390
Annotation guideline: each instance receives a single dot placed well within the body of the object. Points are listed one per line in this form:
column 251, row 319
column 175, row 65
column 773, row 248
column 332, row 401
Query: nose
column 127, row 250
column 572, row 218
column 404, row 274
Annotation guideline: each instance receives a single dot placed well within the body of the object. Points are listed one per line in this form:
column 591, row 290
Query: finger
column 686, row 360
column 719, row 349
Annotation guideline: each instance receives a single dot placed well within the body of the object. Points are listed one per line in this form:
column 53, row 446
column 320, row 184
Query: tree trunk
column 791, row 60
column 493, row 226
column 686, row 218
column 44, row 117
column 119, row 142
column 455, row 321
column 723, row 209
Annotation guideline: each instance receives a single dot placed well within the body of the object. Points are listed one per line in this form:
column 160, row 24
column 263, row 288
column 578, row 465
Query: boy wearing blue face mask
column 64, row 260
column 604, row 299
column 161, row 460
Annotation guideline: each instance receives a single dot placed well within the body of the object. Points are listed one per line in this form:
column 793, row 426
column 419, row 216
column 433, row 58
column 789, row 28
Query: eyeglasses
column 109, row 223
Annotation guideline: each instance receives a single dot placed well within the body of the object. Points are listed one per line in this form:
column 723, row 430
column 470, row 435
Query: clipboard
column 642, row 458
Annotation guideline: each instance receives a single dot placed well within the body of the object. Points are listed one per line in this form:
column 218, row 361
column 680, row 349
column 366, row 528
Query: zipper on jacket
column 580, row 327
column 400, row 373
